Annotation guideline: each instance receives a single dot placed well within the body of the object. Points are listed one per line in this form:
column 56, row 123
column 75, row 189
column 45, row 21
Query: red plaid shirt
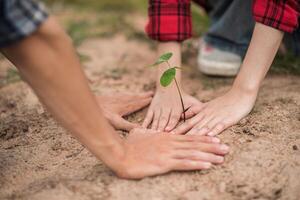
column 170, row 20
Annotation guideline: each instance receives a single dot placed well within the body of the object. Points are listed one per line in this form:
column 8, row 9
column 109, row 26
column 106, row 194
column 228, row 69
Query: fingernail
column 224, row 147
column 210, row 134
column 216, row 140
column 168, row 128
column 206, row 165
column 220, row 159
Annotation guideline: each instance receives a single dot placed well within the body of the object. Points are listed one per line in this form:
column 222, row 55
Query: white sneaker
column 213, row 61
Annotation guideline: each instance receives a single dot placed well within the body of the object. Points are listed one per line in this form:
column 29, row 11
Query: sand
column 39, row 160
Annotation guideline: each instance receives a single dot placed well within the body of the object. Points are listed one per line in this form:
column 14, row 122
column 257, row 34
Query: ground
column 40, row 160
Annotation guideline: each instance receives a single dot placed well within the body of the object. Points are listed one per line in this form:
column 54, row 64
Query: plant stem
column 179, row 92
column 181, row 100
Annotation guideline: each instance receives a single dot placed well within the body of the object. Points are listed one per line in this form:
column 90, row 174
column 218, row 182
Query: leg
column 292, row 42
column 232, row 25
column 228, row 37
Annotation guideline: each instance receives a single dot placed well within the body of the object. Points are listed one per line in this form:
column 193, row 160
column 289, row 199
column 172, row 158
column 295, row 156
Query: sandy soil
column 39, row 160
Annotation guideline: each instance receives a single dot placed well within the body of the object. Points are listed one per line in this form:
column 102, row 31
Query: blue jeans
column 292, row 42
column 232, row 26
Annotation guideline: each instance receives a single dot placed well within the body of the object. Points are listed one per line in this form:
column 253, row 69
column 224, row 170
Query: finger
column 173, row 120
column 140, row 130
column 148, row 119
column 209, row 126
column 219, row 127
column 204, row 130
column 200, row 156
column 135, row 97
column 197, row 131
column 219, row 149
column 194, row 110
column 200, row 125
column 188, row 125
column 186, row 165
column 197, row 138
column 122, row 124
column 164, row 119
column 156, row 117
column 135, row 106
column 146, row 94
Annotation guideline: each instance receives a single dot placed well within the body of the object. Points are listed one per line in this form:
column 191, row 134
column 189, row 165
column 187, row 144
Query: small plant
column 169, row 75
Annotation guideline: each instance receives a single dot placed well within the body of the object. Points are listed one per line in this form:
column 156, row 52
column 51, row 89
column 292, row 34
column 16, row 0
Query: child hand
column 165, row 110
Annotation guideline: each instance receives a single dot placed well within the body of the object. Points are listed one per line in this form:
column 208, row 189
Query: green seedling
column 169, row 75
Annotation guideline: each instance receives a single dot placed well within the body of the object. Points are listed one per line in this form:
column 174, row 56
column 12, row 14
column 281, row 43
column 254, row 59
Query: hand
column 217, row 115
column 115, row 107
column 165, row 109
column 148, row 153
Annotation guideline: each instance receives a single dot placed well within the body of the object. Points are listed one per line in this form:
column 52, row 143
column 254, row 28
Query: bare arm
column 229, row 109
column 175, row 48
column 47, row 61
column 260, row 55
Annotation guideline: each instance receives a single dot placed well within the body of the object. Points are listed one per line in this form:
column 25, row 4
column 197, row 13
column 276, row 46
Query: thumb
column 193, row 110
column 136, row 105
column 122, row 124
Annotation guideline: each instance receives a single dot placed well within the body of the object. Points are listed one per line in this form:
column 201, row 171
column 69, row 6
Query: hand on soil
column 215, row 116
column 149, row 153
column 165, row 110
column 115, row 107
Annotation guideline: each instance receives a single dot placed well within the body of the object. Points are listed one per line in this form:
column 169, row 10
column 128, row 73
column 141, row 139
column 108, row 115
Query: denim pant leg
column 292, row 42
column 232, row 25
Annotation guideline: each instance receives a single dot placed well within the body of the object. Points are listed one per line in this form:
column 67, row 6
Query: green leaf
column 166, row 56
column 167, row 77
column 163, row 58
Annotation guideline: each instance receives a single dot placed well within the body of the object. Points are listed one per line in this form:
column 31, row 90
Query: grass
column 120, row 6
column 100, row 18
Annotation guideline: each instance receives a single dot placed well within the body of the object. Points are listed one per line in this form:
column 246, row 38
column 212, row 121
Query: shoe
column 216, row 62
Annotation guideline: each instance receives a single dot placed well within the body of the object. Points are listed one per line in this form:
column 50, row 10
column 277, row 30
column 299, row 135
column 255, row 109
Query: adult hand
column 148, row 153
column 115, row 107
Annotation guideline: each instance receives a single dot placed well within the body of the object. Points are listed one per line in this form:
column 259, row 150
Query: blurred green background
column 85, row 19
column 105, row 18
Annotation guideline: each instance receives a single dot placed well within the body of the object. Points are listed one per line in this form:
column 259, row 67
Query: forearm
column 49, row 64
column 175, row 48
column 260, row 55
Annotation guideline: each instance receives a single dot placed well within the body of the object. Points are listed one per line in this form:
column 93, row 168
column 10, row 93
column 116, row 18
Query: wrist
column 245, row 88
column 246, row 83
column 111, row 155
column 170, row 88
column 109, row 150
